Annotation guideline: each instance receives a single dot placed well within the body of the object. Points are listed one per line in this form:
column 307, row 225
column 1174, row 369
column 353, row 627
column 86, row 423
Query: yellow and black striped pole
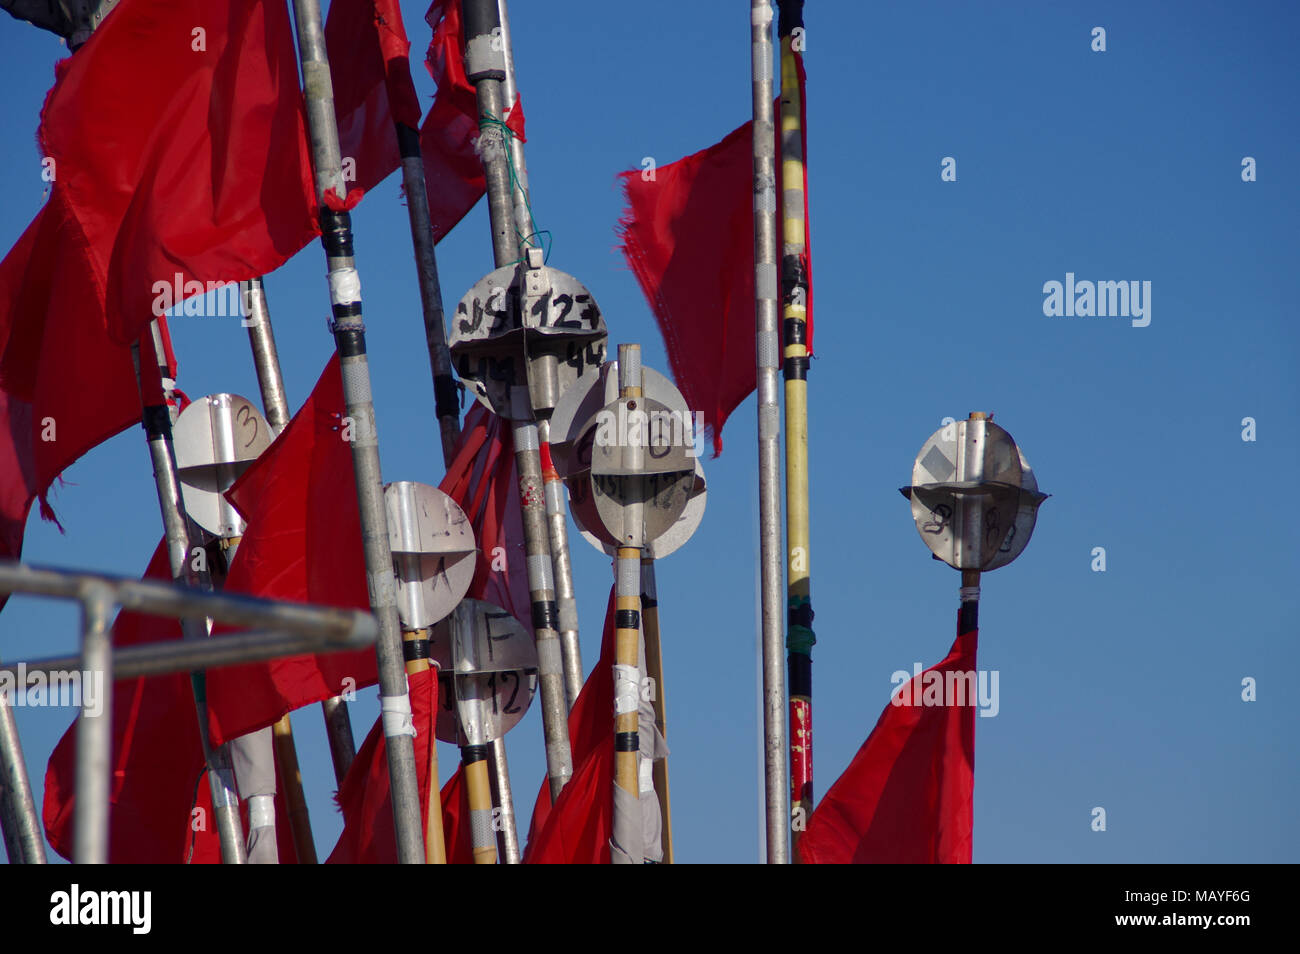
column 795, row 297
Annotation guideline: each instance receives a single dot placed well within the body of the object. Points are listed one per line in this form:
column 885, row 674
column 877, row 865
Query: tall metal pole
column 23, row 837
column 799, row 638
column 769, row 435
column 94, row 731
column 157, row 422
column 275, row 404
column 445, row 395
column 485, row 68
column 556, row 507
column 350, row 342
column 447, row 409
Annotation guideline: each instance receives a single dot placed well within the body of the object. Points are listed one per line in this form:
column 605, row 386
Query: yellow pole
column 799, row 632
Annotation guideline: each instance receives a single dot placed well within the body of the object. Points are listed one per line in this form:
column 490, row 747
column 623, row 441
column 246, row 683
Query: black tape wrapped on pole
column 350, row 341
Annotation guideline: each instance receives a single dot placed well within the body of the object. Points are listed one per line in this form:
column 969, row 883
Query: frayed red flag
column 907, row 797
column 688, row 236
column 577, row 828
column 179, row 138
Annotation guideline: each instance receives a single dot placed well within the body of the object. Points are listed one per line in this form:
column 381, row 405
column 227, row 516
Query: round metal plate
column 1026, row 516
column 582, row 507
column 966, row 492
column 216, row 438
column 494, row 664
column 642, row 469
column 597, row 388
column 506, row 322
column 433, row 551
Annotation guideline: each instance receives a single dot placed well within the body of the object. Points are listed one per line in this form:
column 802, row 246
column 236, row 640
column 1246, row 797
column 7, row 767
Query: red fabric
column 371, row 71
column 303, row 544
column 453, row 171
column 907, row 796
column 481, row 478
column 55, row 353
column 179, row 159
column 456, row 833
column 577, row 829
column 688, row 236
column 365, row 797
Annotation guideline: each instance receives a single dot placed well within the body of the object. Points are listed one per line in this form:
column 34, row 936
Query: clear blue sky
column 1119, row 689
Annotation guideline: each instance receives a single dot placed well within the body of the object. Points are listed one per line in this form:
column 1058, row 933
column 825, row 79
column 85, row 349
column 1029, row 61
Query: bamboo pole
column 485, row 68
column 415, row 647
column 654, row 661
column 286, row 760
column 350, row 341
column 767, row 352
column 799, row 612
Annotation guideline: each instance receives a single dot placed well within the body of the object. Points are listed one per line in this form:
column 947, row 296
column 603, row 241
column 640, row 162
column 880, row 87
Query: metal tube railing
column 280, row 629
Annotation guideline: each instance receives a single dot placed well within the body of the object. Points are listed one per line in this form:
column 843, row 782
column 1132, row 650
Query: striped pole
column 349, row 333
column 627, row 636
column 799, row 638
column 654, row 662
column 485, row 68
column 767, row 355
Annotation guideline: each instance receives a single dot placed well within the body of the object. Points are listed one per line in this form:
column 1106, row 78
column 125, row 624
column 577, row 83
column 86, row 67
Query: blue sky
column 1119, row 689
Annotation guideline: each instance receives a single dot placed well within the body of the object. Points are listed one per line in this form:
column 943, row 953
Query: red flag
column 158, row 778
column 907, row 796
column 365, row 798
column 179, row 138
column 303, row 544
column 453, row 171
column 55, row 352
column 688, row 236
column 578, row 828
column 371, row 70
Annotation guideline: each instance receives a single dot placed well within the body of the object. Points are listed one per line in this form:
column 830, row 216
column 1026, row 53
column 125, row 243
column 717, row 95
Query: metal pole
column 94, row 730
column 24, row 841
column 654, row 662
column 504, row 799
column 270, row 381
column 485, row 68
column 447, row 408
column 445, row 395
column 157, row 422
column 769, row 435
column 566, row 605
column 799, row 638
column 350, row 342
column 556, row 506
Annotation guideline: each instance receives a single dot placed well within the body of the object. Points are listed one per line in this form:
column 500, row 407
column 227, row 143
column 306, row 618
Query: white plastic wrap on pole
column 253, row 758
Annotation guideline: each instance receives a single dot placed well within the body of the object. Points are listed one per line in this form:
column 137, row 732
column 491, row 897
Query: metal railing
column 278, row 629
